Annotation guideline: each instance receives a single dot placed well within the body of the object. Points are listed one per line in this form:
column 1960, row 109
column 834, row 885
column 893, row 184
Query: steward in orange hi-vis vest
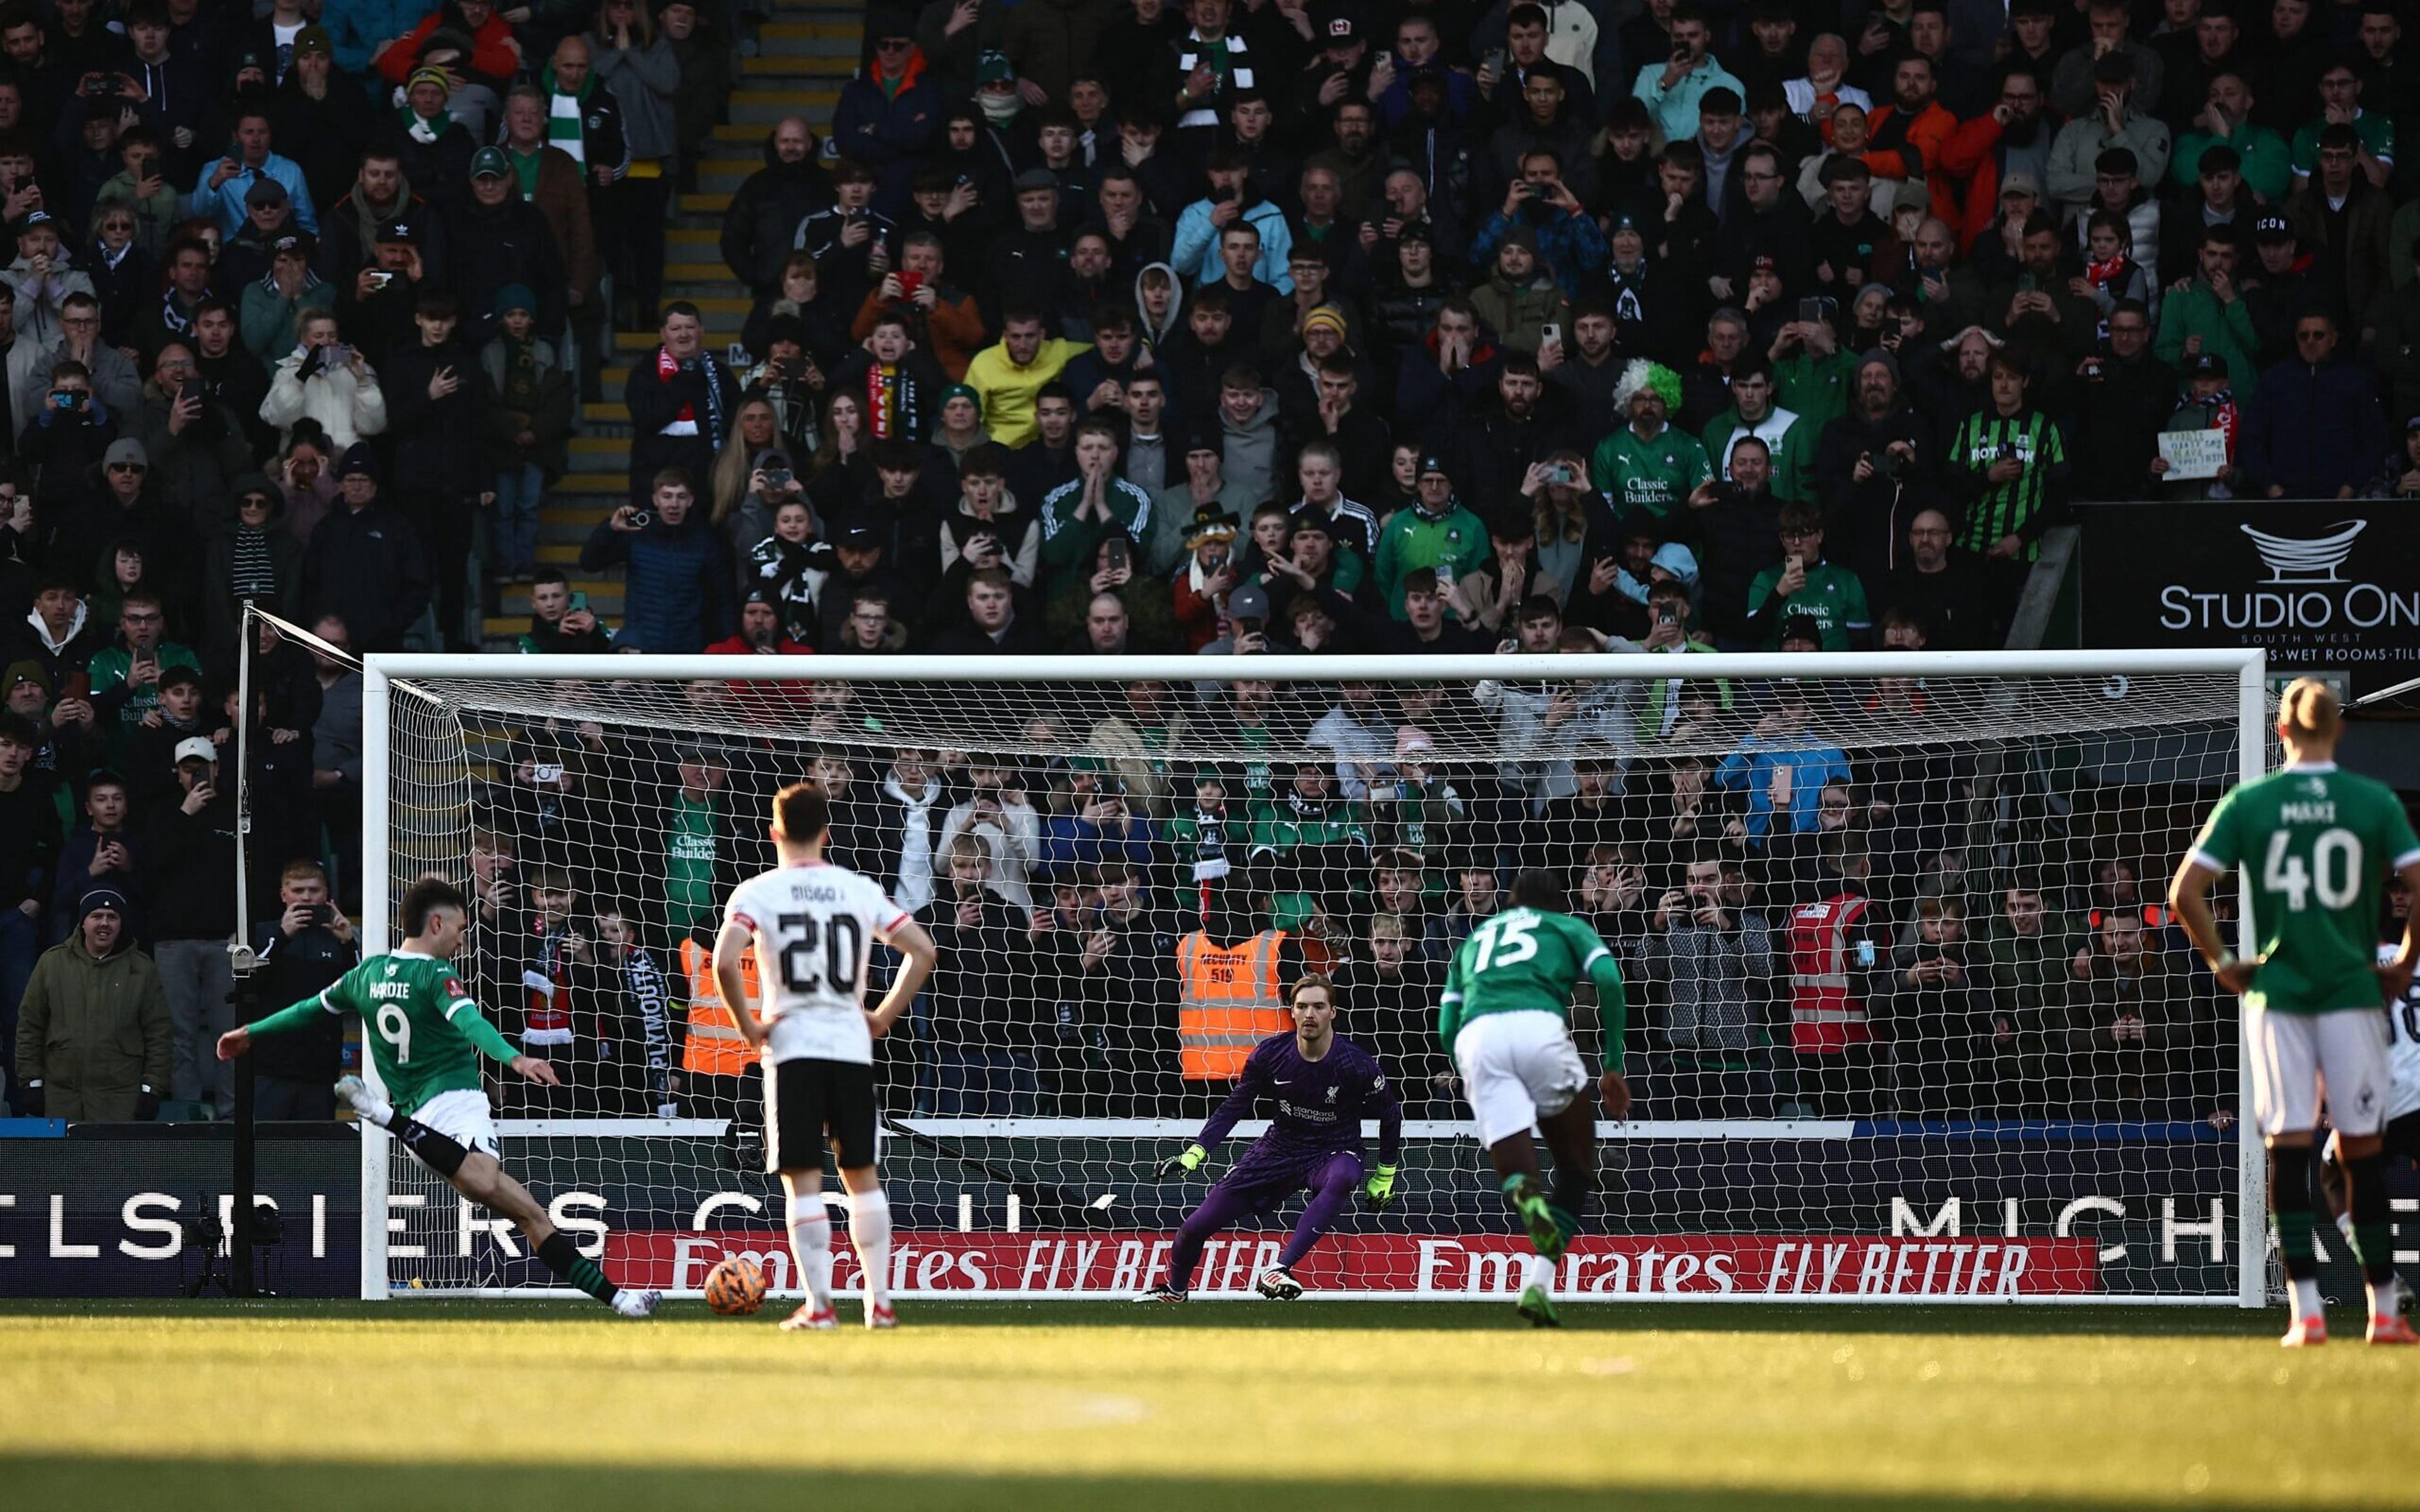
column 1230, row 998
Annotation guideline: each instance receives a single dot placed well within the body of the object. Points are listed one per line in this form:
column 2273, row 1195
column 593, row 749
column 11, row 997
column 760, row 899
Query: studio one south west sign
column 2322, row 586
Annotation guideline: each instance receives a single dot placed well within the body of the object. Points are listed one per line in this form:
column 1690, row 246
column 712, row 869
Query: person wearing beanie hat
column 1520, row 296
column 95, row 1040
column 1439, row 532
column 248, row 560
column 365, row 564
column 528, row 427
column 1648, row 463
column 1869, row 469
column 892, row 108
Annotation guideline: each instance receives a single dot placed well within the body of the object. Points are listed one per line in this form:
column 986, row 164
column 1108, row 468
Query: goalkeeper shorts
column 2293, row 1054
column 1517, row 1069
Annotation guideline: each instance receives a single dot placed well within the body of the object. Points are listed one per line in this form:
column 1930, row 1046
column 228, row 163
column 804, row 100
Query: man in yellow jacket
column 1008, row 376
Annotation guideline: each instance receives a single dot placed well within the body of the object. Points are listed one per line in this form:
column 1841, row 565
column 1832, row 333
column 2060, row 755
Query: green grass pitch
column 432, row 1407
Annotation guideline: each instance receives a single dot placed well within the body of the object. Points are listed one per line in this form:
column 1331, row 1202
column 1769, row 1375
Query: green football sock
column 565, row 1260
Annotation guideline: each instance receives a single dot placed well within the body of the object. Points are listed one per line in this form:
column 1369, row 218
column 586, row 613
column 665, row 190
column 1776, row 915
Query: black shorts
column 804, row 1099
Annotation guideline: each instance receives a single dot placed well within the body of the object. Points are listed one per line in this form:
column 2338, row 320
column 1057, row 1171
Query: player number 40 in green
column 395, row 1028
column 2334, row 873
column 1506, row 940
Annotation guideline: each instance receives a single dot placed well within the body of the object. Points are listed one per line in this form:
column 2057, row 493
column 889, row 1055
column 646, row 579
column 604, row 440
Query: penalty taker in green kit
column 426, row 1038
column 1505, row 1017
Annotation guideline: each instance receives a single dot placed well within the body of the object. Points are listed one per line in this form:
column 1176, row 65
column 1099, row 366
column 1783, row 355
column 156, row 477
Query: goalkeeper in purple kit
column 1323, row 1087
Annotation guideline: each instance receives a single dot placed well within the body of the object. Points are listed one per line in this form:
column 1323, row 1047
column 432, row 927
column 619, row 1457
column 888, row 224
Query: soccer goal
column 1908, row 1017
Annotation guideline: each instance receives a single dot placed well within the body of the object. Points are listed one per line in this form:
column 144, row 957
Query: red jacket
column 489, row 54
column 1896, row 138
column 1972, row 156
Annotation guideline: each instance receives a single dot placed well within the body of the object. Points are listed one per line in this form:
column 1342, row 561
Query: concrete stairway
column 806, row 53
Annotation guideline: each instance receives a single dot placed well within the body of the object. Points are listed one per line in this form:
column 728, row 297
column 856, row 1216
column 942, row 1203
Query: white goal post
column 1985, row 1139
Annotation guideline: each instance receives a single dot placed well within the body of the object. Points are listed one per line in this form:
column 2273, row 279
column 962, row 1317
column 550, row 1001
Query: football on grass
column 735, row 1287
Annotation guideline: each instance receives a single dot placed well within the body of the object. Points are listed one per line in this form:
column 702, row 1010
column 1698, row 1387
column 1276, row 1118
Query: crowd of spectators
column 1111, row 325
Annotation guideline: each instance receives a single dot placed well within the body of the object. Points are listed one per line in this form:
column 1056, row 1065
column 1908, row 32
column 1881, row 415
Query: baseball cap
column 2209, row 365
column 196, row 747
column 126, row 450
column 360, row 460
column 490, row 162
column 2021, row 182
column 1430, row 462
column 2272, row 228
column 402, row 231
column 857, row 536
column 1340, row 31
column 313, row 40
column 1249, row 601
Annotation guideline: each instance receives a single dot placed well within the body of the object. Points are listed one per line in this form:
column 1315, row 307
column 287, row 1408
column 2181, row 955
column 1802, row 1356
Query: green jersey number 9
column 395, row 1028
column 2335, row 872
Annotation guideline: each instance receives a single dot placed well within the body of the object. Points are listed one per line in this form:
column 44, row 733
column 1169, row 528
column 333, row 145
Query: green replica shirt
column 2375, row 129
column 1657, row 476
column 1524, row 960
column 424, row 1030
column 2314, row 843
column 1834, row 598
column 691, row 841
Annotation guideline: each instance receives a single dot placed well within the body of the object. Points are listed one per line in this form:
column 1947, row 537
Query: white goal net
column 1908, row 1018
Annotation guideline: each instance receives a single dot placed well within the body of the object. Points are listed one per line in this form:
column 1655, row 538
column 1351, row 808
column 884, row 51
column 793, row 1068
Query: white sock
column 2386, row 1298
column 869, row 1229
column 811, row 1246
column 2307, row 1300
column 1538, row 1270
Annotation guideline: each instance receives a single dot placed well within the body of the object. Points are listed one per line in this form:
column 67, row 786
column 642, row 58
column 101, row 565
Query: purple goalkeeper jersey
column 1317, row 1104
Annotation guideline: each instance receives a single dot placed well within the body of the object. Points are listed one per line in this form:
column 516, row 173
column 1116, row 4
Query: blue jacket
column 2311, row 430
column 356, row 27
column 1196, row 254
column 889, row 134
column 677, row 595
column 226, row 201
column 1573, row 246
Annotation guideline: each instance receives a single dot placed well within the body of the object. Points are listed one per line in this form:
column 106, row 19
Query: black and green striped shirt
column 2028, row 504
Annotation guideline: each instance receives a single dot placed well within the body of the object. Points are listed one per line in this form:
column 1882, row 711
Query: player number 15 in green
column 2334, row 874
column 1506, row 940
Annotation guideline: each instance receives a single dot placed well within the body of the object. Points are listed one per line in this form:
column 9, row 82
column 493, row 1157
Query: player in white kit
column 2401, row 1140
column 812, row 926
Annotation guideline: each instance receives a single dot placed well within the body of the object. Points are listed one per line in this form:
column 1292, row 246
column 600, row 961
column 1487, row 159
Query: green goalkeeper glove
column 1380, row 1188
column 1185, row 1164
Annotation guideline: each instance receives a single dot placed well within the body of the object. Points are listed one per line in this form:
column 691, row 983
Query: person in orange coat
column 943, row 318
column 1976, row 153
column 1907, row 135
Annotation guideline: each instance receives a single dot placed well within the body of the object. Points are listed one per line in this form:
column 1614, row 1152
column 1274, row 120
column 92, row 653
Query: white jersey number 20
column 804, row 937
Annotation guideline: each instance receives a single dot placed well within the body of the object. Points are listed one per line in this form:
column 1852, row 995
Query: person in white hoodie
column 325, row 380
column 911, row 793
